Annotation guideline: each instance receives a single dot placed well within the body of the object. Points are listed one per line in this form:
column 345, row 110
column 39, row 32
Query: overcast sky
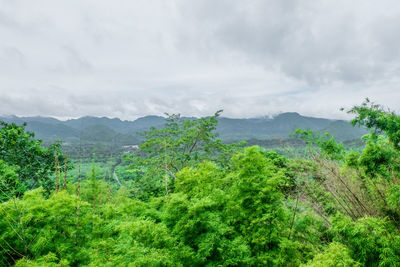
column 251, row 58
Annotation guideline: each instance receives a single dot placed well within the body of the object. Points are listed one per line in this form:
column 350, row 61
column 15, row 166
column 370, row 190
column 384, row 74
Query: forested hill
column 125, row 132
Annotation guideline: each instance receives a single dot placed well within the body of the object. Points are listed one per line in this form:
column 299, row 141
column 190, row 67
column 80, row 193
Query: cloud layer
column 251, row 58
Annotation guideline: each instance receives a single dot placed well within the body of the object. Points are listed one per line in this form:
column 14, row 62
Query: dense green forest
column 186, row 198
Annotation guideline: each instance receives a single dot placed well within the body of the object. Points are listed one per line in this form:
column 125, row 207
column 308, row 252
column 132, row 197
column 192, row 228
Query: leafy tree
column 235, row 216
column 9, row 184
column 195, row 214
column 182, row 142
column 50, row 260
column 325, row 142
column 256, row 209
column 336, row 254
column 379, row 158
column 136, row 243
column 360, row 186
column 35, row 163
column 34, row 226
column 371, row 241
column 378, row 120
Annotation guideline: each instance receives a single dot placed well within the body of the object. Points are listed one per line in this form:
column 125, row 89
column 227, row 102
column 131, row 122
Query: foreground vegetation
column 187, row 199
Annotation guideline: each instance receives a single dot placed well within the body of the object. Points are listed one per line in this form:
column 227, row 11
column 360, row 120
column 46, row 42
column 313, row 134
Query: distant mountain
column 94, row 129
column 45, row 128
column 282, row 125
column 145, row 123
column 104, row 134
column 84, row 122
column 51, row 131
column 20, row 120
column 344, row 131
column 290, row 121
column 116, row 124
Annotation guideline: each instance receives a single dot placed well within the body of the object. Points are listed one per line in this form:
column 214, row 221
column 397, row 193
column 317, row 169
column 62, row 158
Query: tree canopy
column 25, row 155
column 188, row 199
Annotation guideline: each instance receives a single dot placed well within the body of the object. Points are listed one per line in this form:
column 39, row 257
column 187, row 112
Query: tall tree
column 34, row 163
column 183, row 142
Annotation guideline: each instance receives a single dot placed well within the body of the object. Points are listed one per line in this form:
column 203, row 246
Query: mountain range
column 103, row 129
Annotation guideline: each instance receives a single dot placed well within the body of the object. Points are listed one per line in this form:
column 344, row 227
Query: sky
column 131, row 58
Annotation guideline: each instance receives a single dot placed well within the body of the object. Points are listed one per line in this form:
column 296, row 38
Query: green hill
column 94, row 129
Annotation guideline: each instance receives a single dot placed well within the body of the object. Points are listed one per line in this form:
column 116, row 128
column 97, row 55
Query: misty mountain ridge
column 103, row 129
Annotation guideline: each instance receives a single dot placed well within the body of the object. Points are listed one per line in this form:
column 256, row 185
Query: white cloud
column 133, row 58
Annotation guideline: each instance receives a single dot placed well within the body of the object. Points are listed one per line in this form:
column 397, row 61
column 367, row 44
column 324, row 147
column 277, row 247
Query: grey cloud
column 7, row 21
column 11, row 58
column 250, row 58
column 72, row 62
column 318, row 42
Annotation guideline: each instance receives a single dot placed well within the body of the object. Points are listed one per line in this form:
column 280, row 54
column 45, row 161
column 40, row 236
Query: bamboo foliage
column 56, row 172
column 65, row 171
